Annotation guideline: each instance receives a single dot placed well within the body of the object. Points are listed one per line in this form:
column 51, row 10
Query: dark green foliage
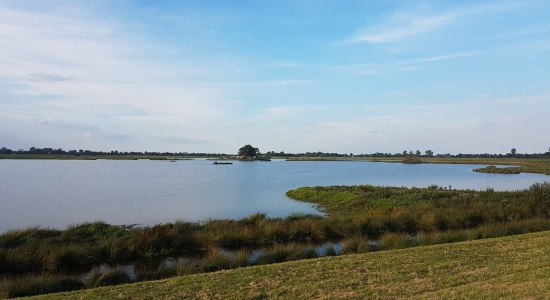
column 160, row 273
column 330, row 251
column 30, row 286
column 71, row 257
column 15, row 238
column 97, row 278
column 247, row 152
column 281, row 253
column 87, row 231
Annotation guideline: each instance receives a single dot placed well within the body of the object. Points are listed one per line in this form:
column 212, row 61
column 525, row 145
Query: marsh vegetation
column 363, row 218
column 503, row 268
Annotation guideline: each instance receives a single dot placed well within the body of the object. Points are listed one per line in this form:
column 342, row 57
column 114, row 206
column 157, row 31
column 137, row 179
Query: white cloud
column 396, row 32
column 70, row 66
column 441, row 57
column 401, row 26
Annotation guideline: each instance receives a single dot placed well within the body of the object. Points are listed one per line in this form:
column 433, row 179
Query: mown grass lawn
column 510, row 267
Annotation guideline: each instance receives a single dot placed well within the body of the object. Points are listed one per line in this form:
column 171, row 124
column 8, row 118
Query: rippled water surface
column 58, row 193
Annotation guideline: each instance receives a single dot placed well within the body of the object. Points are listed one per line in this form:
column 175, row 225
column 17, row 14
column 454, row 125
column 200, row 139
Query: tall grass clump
column 70, row 257
column 357, row 244
column 153, row 241
column 15, row 238
column 216, row 260
column 282, row 253
column 392, row 240
column 98, row 277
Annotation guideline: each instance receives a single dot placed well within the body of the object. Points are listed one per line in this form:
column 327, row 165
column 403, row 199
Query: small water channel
column 134, row 271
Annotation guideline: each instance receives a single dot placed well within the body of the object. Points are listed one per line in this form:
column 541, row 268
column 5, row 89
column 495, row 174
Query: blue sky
column 294, row 76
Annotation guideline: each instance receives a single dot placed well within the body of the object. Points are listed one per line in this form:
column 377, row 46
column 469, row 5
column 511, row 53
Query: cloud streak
column 406, row 25
column 408, row 28
column 441, row 57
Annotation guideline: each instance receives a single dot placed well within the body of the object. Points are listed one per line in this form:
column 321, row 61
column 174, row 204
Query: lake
column 57, row 193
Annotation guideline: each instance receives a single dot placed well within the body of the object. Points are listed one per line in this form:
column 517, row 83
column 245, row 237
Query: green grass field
column 510, row 267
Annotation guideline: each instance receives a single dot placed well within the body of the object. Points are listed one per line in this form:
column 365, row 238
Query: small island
column 496, row 170
column 250, row 153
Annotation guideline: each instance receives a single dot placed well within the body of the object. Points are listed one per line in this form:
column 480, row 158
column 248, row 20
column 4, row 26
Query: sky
column 293, row 76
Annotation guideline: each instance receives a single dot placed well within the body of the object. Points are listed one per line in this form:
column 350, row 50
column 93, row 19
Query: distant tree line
column 307, row 154
column 407, row 153
column 427, row 153
column 51, row 151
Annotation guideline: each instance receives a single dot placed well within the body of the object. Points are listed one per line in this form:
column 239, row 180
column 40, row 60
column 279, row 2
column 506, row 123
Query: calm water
column 57, row 193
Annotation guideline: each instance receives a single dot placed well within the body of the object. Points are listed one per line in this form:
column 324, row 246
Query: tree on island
column 249, row 152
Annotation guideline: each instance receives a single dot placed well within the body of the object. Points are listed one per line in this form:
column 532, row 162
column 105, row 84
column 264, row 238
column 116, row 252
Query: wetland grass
column 364, row 218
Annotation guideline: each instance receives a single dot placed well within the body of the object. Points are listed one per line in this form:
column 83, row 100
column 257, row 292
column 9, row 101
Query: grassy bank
column 526, row 165
column 511, row 267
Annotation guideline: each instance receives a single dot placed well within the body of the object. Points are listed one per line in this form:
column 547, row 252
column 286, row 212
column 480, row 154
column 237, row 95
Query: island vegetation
column 250, row 153
column 495, row 169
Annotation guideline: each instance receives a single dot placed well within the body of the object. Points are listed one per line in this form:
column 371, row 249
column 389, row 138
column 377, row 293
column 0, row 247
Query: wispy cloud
column 401, row 25
column 372, row 69
column 440, row 57
column 406, row 29
column 48, row 77
column 419, row 90
column 69, row 126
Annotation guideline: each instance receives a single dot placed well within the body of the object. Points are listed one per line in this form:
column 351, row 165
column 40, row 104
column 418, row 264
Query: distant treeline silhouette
column 49, row 151
column 427, row 153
